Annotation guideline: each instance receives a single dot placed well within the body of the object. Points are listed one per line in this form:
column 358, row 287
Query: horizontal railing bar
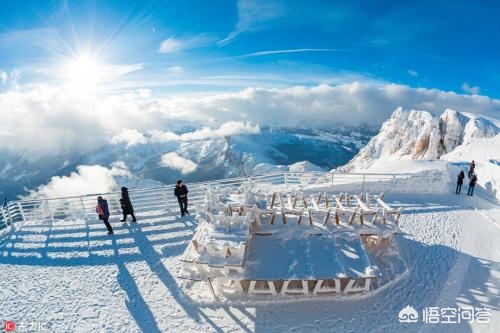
column 161, row 197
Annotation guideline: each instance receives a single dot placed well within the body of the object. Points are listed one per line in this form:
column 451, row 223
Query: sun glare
column 81, row 74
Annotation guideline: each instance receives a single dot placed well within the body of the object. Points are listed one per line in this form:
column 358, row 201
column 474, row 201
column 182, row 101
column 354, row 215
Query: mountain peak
column 416, row 134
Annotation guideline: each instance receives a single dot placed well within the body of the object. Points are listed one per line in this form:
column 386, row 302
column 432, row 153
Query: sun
column 81, row 74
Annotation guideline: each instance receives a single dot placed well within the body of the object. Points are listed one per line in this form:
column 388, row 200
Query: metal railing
column 162, row 198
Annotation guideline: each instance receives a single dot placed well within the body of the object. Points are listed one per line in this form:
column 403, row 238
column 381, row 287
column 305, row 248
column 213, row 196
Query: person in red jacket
column 102, row 211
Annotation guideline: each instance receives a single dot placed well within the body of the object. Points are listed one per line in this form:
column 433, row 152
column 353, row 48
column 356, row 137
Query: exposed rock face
column 420, row 135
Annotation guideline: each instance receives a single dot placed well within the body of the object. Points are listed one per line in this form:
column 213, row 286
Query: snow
column 306, row 257
column 75, row 277
column 414, row 135
column 303, row 166
column 486, row 154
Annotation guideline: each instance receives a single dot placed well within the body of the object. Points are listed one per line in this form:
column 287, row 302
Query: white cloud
column 173, row 44
column 131, row 137
column 469, row 89
column 86, row 179
column 263, row 53
column 113, row 71
column 46, row 119
column 252, row 14
column 412, row 73
column 44, row 38
column 175, row 70
column 177, row 162
column 3, row 76
column 145, row 93
column 227, row 129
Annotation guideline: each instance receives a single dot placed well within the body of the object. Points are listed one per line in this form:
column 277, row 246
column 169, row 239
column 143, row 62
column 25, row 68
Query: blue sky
column 222, row 45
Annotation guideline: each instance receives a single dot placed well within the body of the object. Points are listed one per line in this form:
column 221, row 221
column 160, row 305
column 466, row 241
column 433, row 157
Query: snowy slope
column 74, row 277
column 486, row 154
column 414, row 135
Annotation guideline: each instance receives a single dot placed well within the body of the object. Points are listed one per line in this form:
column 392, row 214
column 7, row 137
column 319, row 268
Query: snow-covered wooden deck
column 288, row 243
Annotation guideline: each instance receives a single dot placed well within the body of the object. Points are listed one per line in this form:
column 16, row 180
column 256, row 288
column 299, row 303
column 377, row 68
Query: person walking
column 460, row 181
column 472, row 167
column 472, row 184
column 102, row 210
column 126, row 205
column 181, row 193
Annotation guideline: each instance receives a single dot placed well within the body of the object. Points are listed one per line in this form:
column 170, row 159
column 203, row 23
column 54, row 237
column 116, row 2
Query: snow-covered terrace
column 58, row 266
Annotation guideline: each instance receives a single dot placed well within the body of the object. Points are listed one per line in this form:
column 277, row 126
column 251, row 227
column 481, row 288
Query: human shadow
column 69, row 244
column 135, row 303
column 154, row 261
column 426, row 284
column 437, row 275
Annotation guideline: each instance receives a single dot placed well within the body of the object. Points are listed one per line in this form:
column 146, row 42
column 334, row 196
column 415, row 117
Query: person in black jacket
column 102, row 211
column 472, row 184
column 460, row 181
column 126, row 206
column 181, row 192
column 472, row 167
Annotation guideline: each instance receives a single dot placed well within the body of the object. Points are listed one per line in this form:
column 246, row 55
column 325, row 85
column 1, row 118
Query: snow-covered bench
column 239, row 247
column 219, row 244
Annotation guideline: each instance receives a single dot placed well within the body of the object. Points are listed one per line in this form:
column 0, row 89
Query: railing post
column 4, row 216
column 83, row 206
column 50, row 210
column 286, row 181
column 21, row 211
column 363, row 184
column 165, row 197
column 332, row 178
column 10, row 216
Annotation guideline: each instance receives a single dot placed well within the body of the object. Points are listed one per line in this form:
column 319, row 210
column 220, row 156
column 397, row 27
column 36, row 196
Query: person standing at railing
column 181, row 193
column 472, row 184
column 472, row 167
column 102, row 210
column 460, row 181
column 126, row 204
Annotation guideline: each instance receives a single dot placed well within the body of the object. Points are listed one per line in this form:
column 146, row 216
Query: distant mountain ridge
column 273, row 149
column 413, row 134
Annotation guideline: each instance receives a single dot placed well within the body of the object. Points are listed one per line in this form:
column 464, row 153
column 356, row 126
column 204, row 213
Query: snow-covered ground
column 75, row 278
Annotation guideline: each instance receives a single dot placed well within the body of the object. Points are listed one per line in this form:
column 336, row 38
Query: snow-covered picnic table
column 297, row 253
column 219, row 244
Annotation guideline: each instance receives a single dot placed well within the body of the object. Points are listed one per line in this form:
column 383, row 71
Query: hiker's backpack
column 99, row 210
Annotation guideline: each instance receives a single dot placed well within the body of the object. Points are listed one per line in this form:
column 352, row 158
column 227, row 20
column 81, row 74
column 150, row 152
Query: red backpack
column 99, row 210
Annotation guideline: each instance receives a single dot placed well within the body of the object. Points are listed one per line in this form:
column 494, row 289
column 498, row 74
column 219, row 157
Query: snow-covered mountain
column 419, row 135
column 270, row 150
